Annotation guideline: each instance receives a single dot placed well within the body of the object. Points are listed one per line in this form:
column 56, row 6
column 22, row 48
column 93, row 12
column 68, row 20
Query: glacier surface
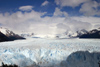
column 51, row 52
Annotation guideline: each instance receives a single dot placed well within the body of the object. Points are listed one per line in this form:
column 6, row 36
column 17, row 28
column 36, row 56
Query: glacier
column 40, row 52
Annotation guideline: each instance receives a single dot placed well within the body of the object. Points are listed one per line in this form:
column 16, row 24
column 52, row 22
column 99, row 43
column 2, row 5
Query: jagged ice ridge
column 47, row 52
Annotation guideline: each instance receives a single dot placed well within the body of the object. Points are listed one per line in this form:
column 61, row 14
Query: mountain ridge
column 95, row 33
column 7, row 35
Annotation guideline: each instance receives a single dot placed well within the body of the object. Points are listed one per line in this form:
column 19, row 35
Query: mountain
column 7, row 35
column 81, row 32
column 95, row 33
column 27, row 35
column 3, row 37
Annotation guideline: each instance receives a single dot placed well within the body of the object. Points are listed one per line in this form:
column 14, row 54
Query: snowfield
column 51, row 52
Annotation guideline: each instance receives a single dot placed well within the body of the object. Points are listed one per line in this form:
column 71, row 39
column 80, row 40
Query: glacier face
column 51, row 52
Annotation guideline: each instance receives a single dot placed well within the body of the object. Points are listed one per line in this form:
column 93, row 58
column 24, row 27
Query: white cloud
column 90, row 8
column 58, row 12
column 45, row 3
column 20, row 21
column 94, row 21
column 97, row 26
column 48, row 26
column 71, row 3
column 26, row 8
column 77, row 25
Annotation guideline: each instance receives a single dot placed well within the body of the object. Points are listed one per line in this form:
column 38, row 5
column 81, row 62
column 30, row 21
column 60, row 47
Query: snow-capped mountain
column 27, row 34
column 95, row 33
column 81, row 32
column 71, row 34
column 3, row 37
column 8, row 35
column 65, row 35
column 7, row 32
column 68, row 34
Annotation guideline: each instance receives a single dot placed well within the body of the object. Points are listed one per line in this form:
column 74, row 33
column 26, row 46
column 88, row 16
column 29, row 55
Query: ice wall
column 51, row 53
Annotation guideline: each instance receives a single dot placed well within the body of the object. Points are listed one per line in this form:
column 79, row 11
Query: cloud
column 32, row 22
column 60, row 13
column 76, row 25
column 45, row 3
column 71, row 3
column 97, row 26
column 90, row 8
column 19, row 21
column 26, row 8
column 94, row 21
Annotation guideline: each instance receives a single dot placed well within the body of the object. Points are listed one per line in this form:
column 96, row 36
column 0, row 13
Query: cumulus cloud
column 45, row 3
column 19, row 20
column 97, row 26
column 76, row 25
column 60, row 13
column 94, row 21
column 71, row 3
column 26, row 8
column 32, row 22
column 90, row 8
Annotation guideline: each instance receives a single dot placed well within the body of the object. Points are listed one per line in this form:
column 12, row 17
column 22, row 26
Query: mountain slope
column 7, row 35
column 3, row 37
column 95, row 33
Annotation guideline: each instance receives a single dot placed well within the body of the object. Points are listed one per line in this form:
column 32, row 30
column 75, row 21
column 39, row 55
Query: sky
column 49, row 17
